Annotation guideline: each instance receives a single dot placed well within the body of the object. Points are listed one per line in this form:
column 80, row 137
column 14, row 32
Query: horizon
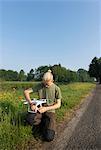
column 40, row 66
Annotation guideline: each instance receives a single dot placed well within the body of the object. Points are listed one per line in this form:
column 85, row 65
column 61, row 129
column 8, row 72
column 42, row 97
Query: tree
column 83, row 75
column 39, row 72
column 8, row 75
column 21, row 76
column 30, row 75
column 12, row 75
column 61, row 74
column 95, row 68
column 3, row 74
column 73, row 76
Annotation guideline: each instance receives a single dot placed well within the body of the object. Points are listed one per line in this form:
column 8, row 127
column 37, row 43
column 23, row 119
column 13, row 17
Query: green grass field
column 14, row 134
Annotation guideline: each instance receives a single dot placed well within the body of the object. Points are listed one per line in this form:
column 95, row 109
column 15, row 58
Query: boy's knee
column 30, row 118
column 33, row 119
column 49, row 135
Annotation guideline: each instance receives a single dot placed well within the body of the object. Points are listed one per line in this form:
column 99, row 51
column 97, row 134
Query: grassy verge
column 72, row 96
column 13, row 133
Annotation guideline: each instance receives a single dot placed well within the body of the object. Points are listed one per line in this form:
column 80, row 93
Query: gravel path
column 83, row 132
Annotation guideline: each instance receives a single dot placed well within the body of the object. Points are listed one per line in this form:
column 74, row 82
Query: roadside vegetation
column 14, row 133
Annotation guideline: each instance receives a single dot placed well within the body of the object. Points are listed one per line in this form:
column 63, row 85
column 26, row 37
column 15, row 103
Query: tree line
column 95, row 69
column 60, row 73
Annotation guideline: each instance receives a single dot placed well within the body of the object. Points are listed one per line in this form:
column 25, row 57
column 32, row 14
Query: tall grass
column 14, row 133
column 12, row 129
column 72, row 94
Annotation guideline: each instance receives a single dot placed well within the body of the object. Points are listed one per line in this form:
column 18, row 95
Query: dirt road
column 83, row 132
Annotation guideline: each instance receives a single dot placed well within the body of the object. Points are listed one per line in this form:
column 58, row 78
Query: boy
column 46, row 114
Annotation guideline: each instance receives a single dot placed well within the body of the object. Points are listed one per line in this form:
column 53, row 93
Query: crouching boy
column 45, row 116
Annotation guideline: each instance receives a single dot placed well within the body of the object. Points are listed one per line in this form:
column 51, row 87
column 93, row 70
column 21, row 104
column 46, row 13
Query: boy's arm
column 55, row 106
column 27, row 95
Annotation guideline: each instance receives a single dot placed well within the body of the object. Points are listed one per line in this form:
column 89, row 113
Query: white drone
column 37, row 102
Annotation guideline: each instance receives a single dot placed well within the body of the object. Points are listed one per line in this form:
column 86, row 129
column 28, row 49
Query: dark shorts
column 46, row 121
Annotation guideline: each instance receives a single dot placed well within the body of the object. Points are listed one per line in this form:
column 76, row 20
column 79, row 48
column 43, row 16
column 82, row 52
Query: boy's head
column 48, row 78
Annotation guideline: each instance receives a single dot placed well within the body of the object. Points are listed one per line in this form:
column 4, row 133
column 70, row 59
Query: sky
column 35, row 33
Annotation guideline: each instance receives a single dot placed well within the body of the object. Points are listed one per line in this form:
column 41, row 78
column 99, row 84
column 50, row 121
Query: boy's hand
column 42, row 109
column 33, row 107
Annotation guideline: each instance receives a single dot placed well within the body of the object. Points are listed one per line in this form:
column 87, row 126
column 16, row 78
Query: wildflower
column 20, row 97
column 5, row 107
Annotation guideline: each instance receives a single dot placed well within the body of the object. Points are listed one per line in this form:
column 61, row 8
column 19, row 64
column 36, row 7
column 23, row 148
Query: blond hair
column 48, row 76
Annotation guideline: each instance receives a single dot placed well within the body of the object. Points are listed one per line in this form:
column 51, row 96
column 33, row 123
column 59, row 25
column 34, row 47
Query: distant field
column 14, row 134
column 10, row 85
